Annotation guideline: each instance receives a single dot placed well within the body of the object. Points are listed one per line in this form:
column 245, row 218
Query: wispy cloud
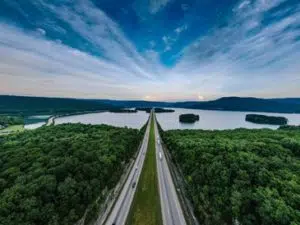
column 253, row 56
column 156, row 5
column 31, row 63
column 50, row 68
column 90, row 55
column 178, row 30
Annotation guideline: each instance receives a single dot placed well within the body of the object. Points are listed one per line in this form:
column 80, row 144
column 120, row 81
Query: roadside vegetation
column 51, row 175
column 247, row 177
column 145, row 208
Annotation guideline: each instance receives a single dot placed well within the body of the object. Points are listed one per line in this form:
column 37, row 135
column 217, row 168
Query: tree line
column 247, row 177
column 6, row 121
column 263, row 119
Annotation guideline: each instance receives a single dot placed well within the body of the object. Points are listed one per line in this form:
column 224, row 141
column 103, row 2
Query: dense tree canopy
column 246, row 177
column 289, row 127
column 50, row 175
column 156, row 110
column 6, row 121
column 263, row 119
column 188, row 118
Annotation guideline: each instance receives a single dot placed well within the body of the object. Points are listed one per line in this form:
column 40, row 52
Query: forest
column 52, row 174
column 289, row 127
column 247, row 177
column 263, row 119
column 6, row 121
column 246, row 104
column 156, row 110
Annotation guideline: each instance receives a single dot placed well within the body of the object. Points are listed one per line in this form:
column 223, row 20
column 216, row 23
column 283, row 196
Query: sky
column 171, row 50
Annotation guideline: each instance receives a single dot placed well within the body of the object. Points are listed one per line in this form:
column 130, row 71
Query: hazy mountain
column 288, row 105
column 43, row 105
column 29, row 105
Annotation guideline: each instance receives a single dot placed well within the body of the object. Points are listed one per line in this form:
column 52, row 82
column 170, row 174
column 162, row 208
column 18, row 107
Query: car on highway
column 133, row 184
column 160, row 155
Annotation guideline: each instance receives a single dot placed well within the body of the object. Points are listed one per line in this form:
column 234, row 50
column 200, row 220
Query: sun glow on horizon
column 200, row 97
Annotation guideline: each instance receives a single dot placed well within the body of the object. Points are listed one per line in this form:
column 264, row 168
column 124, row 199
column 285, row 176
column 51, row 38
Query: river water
column 208, row 119
column 218, row 120
column 132, row 120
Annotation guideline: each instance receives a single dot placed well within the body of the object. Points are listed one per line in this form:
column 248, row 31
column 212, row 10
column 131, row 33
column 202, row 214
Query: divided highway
column 172, row 213
column 171, row 209
column 121, row 208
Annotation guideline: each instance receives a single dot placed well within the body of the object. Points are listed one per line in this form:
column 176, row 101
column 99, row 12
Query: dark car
column 133, row 184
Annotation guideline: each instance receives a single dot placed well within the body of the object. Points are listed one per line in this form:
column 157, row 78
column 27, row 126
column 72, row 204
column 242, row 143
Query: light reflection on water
column 218, row 120
column 132, row 120
column 208, row 119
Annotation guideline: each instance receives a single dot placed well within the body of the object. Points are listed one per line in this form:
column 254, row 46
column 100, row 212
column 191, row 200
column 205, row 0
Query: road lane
column 171, row 209
column 121, row 208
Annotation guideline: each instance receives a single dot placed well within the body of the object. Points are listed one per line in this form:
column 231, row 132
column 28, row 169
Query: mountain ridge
column 15, row 104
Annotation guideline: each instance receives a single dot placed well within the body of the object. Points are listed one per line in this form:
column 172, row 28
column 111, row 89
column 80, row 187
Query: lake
column 132, row 120
column 218, row 120
column 208, row 119
column 33, row 126
column 35, row 121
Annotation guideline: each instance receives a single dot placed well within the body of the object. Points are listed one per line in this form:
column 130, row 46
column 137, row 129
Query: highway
column 121, row 208
column 171, row 209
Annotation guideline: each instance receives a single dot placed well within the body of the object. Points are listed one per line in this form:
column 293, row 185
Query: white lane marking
column 163, row 193
column 119, row 208
column 174, row 198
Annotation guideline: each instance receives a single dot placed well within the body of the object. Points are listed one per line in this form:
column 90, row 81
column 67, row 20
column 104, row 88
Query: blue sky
column 150, row 49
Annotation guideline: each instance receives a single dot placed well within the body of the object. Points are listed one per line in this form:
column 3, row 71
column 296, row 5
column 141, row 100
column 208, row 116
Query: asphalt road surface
column 171, row 209
column 121, row 208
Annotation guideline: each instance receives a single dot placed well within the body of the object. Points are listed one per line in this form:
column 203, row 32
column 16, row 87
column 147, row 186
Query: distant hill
column 285, row 105
column 287, row 100
column 135, row 103
column 288, row 105
column 41, row 105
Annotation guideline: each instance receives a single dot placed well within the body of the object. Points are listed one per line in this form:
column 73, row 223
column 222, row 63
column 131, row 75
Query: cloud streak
column 251, row 57
column 77, row 50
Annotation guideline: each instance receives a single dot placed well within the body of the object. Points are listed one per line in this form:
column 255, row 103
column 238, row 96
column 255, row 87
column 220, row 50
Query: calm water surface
column 208, row 119
column 132, row 120
column 33, row 126
column 36, row 121
column 218, row 120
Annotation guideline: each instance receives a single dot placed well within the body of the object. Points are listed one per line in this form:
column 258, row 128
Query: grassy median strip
column 145, row 208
